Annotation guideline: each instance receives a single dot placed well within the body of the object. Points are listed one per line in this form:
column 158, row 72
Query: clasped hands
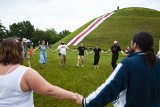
column 78, row 98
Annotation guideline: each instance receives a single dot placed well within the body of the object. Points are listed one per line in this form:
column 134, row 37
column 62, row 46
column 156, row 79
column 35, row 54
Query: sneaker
column 97, row 66
column 77, row 65
column 82, row 65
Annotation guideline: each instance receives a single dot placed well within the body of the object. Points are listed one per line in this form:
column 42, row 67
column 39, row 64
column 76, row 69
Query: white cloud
column 63, row 14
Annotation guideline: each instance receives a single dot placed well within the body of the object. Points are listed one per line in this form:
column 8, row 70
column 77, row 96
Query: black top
column 81, row 50
column 97, row 50
column 115, row 49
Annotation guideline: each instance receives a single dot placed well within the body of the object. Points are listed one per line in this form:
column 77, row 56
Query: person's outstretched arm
column 56, row 49
column 49, row 49
column 34, row 81
column 108, row 91
column 36, row 48
column 70, row 49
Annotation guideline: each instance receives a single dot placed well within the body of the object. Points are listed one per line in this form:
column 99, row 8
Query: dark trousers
column 96, row 60
column 114, row 61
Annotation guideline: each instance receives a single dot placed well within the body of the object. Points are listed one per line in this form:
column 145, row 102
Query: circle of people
column 82, row 49
column 134, row 81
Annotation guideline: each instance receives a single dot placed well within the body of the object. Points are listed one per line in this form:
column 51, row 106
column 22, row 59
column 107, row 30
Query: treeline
column 26, row 30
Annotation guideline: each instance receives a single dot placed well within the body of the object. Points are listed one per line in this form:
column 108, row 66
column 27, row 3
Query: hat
column 115, row 42
column 28, row 40
column 24, row 40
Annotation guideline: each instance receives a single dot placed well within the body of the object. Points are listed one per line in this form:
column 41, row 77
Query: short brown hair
column 11, row 51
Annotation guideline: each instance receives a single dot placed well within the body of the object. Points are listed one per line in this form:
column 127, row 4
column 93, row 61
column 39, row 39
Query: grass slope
column 121, row 26
column 80, row 80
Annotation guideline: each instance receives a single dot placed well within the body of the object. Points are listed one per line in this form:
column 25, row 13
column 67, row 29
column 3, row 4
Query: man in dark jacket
column 135, row 82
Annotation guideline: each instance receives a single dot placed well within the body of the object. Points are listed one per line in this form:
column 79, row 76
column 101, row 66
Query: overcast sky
column 63, row 14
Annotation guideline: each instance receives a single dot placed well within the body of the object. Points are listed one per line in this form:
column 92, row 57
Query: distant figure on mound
column 96, row 51
column 115, row 54
column 117, row 7
column 43, row 53
column 63, row 49
column 81, row 50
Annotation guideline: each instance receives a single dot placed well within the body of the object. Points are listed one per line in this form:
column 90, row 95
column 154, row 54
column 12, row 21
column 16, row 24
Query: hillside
column 121, row 26
column 84, row 80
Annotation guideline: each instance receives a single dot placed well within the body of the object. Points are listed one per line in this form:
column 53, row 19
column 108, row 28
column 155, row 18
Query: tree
column 2, row 31
column 51, row 36
column 64, row 33
column 22, row 29
column 37, row 36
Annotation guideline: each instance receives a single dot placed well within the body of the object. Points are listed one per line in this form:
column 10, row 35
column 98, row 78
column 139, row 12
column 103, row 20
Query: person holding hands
column 134, row 82
column 43, row 53
column 96, row 51
column 81, row 50
column 18, row 82
column 62, row 52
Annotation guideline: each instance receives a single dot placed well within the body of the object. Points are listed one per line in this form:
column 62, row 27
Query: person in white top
column 62, row 52
column 158, row 54
column 18, row 82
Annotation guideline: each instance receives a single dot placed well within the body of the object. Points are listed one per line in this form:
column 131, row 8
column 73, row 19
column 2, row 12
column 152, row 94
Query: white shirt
column 158, row 54
column 11, row 94
column 63, row 49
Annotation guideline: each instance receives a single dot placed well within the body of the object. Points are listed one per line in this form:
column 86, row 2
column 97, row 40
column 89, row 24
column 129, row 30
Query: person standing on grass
column 26, row 50
column 115, row 54
column 135, row 82
column 127, row 49
column 43, row 53
column 81, row 50
column 63, row 49
column 18, row 82
column 97, row 51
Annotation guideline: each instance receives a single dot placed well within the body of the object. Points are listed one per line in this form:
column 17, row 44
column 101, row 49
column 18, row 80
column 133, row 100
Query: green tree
column 64, row 33
column 22, row 29
column 37, row 36
column 2, row 31
column 51, row 36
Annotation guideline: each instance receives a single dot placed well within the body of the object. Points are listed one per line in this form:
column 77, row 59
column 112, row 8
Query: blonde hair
column 11, row 51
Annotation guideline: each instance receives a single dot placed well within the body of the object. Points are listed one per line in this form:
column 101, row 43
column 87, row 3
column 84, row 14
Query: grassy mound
column 121, row 26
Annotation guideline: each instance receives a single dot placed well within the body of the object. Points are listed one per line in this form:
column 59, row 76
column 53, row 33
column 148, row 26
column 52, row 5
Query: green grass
column 121, row 26
column 80, row 80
